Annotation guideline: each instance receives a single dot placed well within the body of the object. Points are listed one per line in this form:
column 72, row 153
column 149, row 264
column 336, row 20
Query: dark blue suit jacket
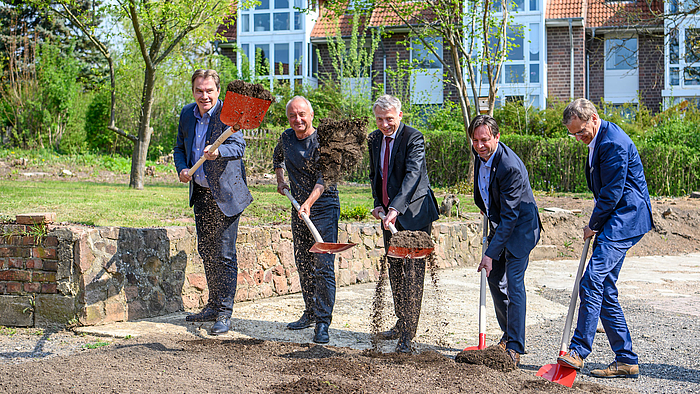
column 616, row 178
column 226, row 174
column 513, row 210
column 408, row 186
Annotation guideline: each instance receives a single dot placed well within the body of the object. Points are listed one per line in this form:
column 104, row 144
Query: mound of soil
column 250, row 89
column 341, row 145
column 493, row 357
column 412, row 239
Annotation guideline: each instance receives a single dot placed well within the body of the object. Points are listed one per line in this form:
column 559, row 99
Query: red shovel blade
column 409, row 253
column 558, row 374
column 481, row 345
column 244, row 111
column 330, row 247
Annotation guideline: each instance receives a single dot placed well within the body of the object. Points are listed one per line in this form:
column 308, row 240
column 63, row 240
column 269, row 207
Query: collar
column 591, row 146
column 489, row 162
column 209, row 113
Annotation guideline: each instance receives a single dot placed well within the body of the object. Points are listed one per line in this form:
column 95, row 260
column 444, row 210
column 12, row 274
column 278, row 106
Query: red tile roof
column 328, row 22
column 602, row 13
column 560, row 9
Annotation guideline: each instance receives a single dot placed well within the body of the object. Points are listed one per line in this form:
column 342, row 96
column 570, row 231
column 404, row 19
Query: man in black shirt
column 297, row 152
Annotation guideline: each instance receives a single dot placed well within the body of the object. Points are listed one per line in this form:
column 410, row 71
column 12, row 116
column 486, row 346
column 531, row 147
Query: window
column 516, row 5
column 262, row 59
column 673, row 47
column 515, row 38
column 281, row 4
column 534, row 41
column 692, row 45
column 423, row 57
column 534, row 5
column 282, row 59
column 245, row 22
column 691, row 76
column 262, row 22
column 621, row 54
column 298, row 18
column 535, row 73
column 281, row 21
column 264, row 5
column 515, row 73
column 298, row 54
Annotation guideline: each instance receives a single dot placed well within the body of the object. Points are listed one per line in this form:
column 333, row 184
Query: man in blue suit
column 218, row 192
column 502, row 191
column 621, row 216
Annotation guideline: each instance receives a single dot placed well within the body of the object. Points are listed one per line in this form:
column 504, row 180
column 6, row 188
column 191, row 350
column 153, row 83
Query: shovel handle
column 392, row 228
column 483, row 284
column 574, row 299
column 223, row 137
column 304, row 216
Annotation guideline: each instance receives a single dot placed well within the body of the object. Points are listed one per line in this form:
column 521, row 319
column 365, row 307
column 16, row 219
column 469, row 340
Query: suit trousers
column 598, row 295
column 216, row 244
column 507, row 285
column 406, row 277
column 316, row 270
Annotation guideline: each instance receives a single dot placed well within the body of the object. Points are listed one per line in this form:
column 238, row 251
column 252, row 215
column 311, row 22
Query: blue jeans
column 507, row 285
column 598, row 295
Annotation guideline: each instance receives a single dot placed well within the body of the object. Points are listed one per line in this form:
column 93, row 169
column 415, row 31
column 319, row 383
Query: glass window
column 691, row 76
column 298, row 54
column 264, row 5
column 422, row 56
column 314, row 61
column 534, row 41
column 535, row 100
column 244, row 50
column 622, row 54
column 515, row 39
column 262, row 59
column 301, row 4
column 673, row 47
column 262, row 22
column 516, row 5
column 515, row 73
column 534, row 73
column 692, row 45
column 281, row 4
column 673, row 6
column 245, row 22
column 534, row 5
column 282, row 59
column 674, row 76
column 281, row 21
column 297, row 20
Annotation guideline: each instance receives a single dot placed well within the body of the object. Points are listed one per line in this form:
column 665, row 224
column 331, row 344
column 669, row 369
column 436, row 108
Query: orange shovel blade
column 409, row 253
column 243, row 111
column 330, row 247
column 558, row 374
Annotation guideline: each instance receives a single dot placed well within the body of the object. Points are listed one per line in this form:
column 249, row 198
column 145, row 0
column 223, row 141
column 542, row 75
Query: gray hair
column 386, row 102
column 483, row 120
column 286, row 107
column 579, row 108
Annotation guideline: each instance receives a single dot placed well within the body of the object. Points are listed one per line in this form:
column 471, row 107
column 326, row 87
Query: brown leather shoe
column 571, row 360
column 502, row 344
column 617, row 370
column 515, row 356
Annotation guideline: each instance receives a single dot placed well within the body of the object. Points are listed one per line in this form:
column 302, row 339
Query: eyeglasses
column 582, row 132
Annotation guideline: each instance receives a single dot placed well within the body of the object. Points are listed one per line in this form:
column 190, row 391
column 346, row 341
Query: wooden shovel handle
column 223, row 137
column 574, row 297
column 304, row 216
column 392, row 228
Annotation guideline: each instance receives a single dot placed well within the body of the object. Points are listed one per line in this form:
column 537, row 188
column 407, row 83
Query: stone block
column 36, row 218
column 54, row 309
column 266, row 291
column 267, row 259
column 15, row 311
column 295, row 285
column 92, row 314
column 83, row 255
column 136, row 310
column 247, row 256
column 280, row 283
column 285, row 251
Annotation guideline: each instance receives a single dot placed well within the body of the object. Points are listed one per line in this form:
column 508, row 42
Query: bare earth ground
column 37, row 361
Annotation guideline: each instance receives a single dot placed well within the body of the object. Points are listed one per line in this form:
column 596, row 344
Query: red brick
column 44, row 253
column 44, row 277
column 3, row 287
column 28, row 240
column 32, row 287
column 49, row 288
column 13, row 287
column 14, row 275
column 14, row 262
column 5, row 252
column 50, row 265
column 35, row 218
column 35, row 264
column 51, row 241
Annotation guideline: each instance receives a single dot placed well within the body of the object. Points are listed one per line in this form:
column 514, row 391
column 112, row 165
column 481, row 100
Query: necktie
column 385, row 171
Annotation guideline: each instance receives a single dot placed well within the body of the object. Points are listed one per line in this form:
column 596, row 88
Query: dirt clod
column 250, row 89
column 341, row 144
column 493, row 357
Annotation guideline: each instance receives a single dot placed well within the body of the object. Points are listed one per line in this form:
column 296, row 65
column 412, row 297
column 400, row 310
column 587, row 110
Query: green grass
column 95, row 345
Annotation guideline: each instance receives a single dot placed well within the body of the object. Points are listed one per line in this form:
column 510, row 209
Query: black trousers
column 406, row 277
column 216, row 244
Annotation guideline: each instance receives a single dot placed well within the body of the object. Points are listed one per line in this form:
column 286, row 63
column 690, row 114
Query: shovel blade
column 243, row 111
column 558, row 374
column 409, row 253
column 329, row 247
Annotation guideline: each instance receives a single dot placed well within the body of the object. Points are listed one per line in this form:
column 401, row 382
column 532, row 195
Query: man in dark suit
column 502, row 191
column 218, row 192
column 621, row 216
column 401, row 191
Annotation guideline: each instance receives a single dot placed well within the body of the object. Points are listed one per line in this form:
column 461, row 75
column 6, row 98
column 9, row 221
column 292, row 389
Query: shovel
column 405, row 253
column 554, row 372
column 482, row 291
column 239, row 112
column 319, row 246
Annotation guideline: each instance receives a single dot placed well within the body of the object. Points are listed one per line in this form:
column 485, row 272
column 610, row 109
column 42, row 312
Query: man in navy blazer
column 502, row 191
column 621, row 216
column 401, row 191
column 218, row 192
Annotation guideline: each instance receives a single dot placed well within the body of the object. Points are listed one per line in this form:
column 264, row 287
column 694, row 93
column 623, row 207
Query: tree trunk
column 138, row 158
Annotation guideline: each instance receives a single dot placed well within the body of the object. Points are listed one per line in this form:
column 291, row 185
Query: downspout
column 571, row 70
column 588, row 67
column 381, row 42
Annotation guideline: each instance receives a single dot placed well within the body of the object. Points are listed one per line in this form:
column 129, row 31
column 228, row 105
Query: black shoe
column 404, row 346
column 305, row 321
column 207, row 314
column 393, row 333
column 321, row 333
column 222, row 325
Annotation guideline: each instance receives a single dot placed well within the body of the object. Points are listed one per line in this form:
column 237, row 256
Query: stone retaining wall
column 98, row 275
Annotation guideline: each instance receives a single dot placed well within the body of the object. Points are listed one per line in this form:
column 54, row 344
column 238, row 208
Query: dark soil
column 341, row 145
column 493, row 357
column 250, row 89
column 412, row 239
column 379, row 303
